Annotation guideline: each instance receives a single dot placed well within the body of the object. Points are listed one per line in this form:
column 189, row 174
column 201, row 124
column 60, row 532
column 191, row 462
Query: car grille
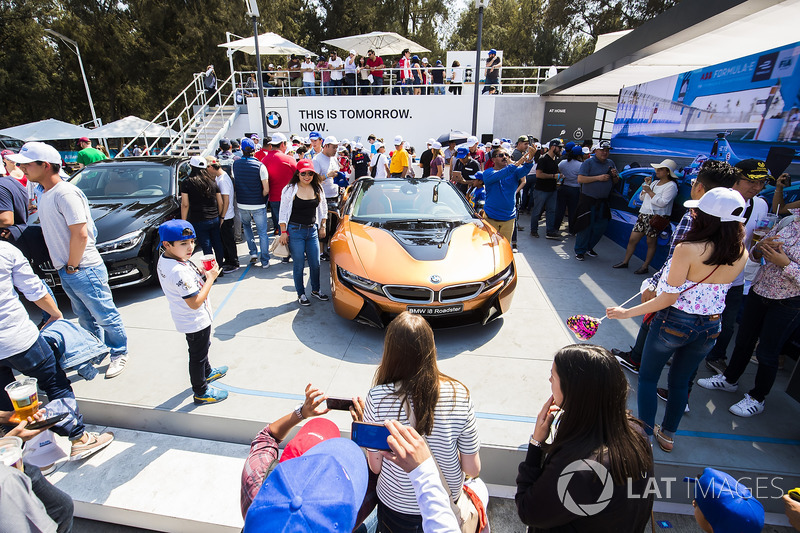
column 408, row 294
column 457, row 293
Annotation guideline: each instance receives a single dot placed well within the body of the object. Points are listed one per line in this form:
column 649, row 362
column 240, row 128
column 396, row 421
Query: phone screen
column 339, row 404
column 48, row 421
column 370, row 435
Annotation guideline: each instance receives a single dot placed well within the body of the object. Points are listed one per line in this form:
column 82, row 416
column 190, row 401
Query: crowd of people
column 428, row 477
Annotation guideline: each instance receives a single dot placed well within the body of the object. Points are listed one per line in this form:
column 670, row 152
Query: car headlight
column 501, row 277
column 120, row 244
column 359, row 281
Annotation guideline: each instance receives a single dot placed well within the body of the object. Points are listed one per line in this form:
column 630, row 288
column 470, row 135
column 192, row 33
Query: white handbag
column 277, row 249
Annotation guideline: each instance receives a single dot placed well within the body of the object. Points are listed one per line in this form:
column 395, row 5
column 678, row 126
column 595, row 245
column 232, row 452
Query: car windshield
column 400, row 200
column 124, row 180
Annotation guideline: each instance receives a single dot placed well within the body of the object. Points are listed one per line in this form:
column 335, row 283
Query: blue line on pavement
column 230, row 293
column 745, row 438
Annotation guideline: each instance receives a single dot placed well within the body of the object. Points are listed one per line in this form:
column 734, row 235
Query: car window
column 11, row 142
column 123, row 180
column 411, row 200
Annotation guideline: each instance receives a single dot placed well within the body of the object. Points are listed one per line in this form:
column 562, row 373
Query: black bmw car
column 129, row 199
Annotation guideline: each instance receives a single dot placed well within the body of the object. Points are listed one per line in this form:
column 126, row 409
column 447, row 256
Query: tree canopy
column 139, row 54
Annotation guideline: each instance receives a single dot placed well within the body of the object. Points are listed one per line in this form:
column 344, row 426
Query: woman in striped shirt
column 408, row 379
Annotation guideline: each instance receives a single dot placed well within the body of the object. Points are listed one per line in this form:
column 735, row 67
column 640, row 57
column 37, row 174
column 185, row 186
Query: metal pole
column 477, row 73
column 230, row 62
column 260, row 85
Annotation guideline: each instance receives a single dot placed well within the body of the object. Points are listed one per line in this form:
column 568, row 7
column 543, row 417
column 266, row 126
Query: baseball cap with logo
column 315, row 431
column 462, row 152
column 198, row 162
column 669, row 164
column 472, row 141
column 726, row 504
column 398, row 140
column 725, row 204
column 277, row 138
column 36, row 151
column 176, row 230
column 314, row 135
column 498, row 142
column 492, row 52
column 602, row 145
column 330, row 140
column 555, row 142
column 752, row 169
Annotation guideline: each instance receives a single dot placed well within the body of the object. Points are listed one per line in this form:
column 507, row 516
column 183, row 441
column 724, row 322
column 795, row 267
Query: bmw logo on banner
column 274, row 119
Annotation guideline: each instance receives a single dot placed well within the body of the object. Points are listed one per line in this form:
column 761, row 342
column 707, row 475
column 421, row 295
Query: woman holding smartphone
column 690, row 297
column 302, row 217
column 410, row 388
column 589, row 397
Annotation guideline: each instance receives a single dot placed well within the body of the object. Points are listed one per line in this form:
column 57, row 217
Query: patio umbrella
column 49, row 130
column 132, row 127
column 383, row 42
column 457, row 136
column 269, row 44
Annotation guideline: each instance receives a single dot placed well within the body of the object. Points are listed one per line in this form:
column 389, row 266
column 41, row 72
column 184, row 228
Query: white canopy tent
column 132, row 127
column 49, row 130
column 268, row 44
column 383, row 42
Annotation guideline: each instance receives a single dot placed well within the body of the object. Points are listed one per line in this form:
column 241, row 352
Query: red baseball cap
column 84, row 140
column 315, row 431
column 304, row 165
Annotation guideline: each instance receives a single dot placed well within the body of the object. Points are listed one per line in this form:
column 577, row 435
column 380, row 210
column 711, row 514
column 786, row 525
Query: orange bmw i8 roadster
column 416, row 245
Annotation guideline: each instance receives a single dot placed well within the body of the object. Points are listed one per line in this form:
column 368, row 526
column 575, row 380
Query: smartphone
column 370, row 435
column 339, row 404
column 48, row 421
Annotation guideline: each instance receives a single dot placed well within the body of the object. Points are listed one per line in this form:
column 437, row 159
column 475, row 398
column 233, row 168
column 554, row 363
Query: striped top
column 454, row 431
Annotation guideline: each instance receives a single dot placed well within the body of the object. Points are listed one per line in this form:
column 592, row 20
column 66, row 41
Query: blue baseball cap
column 248, row 144
column 727, row 504
column 577, row 151
column 176, row 230
column 478, row 175
column 492, row 52
column 314, row 135
column 322, row 490
column 569, row 146
column 462, row 152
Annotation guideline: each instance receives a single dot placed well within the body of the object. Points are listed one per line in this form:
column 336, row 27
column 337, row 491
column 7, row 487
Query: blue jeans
column 209, row 237
column 685, row 337
column 335, row 87
column 544, row 201
column 587, row 239
column 275, row 208
column 396, row 522
column 259, row 216
column 377, row 85
column 91, row 300
column 57, row 503
column 308, row 86
column 303, row 241
column 406, row 86
column 39, row 362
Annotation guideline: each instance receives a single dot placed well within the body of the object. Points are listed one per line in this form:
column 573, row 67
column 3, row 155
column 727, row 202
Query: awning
column 268, row 44
column 49, row 130
column 132, row 127
column 383, row 42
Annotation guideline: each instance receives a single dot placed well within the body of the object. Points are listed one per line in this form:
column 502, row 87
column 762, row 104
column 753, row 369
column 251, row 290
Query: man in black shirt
column 544, row 192
column 464, row 169
column 425, row 160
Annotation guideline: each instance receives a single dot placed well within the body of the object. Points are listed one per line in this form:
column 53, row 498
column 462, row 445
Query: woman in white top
column 410, row 388
column 690, row 298
column 656, row 200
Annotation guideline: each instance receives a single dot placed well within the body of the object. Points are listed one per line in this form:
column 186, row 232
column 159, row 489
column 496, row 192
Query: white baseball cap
column 345, row 141
column 198, row 162
column 377, row 145
column 359, row 146
column 343, row 148
column 431, row 141
column 669, row 164
column 398, row 140
column 496, row 142
column 725, row 204
column 277, row 138
column 330, row 140
column 352, row 52
column 36, row 151
column 506, row 146
column 586, row 150
column 436, row 145
column 472, row 141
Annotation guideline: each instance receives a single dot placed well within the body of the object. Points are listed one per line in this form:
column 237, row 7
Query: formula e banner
column 735, row 110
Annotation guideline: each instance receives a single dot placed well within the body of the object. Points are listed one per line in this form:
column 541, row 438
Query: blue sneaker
column 217, row 373
column 211, row 396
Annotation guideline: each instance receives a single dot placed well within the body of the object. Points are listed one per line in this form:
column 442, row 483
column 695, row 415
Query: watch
column 534, row 442
column 71, row 269
column 298, row 411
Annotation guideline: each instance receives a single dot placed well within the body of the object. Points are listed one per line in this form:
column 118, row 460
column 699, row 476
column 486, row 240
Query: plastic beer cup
column 24, row 396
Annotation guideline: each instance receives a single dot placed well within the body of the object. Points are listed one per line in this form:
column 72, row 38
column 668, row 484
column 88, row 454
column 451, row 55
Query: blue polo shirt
column 501, row 188
column 593, row 167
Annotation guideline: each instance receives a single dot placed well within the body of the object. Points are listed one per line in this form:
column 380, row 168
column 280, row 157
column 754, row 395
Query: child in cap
column 723, row 505
column 186, row 288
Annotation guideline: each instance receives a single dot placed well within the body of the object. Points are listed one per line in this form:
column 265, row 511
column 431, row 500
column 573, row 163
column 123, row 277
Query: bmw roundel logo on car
column 436, row 279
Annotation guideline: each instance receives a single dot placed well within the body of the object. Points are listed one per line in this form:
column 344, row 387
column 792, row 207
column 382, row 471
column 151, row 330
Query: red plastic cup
column 209, row 261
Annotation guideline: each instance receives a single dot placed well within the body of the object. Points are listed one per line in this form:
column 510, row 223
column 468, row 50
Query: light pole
column 480, row 4
column 252, row 12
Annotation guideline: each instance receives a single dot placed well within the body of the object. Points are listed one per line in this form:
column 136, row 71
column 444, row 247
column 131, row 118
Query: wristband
column 534, row 442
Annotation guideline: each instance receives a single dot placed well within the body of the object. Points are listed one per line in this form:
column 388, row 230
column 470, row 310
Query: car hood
column 457, row 252
column 118, row 216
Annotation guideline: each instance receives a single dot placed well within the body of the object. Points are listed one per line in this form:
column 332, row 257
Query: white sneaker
column 116, row 366
column 265, row 264
column 717, row 382
column 747, row 407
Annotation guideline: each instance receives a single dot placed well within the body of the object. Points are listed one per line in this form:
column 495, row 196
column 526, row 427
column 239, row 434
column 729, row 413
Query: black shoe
column 319, row 296
column 324, row 257
column 626, row 361
column 514, row 247
column 552, row 235
column 718, row 366
column 591, row 253
column 663, row 394
column 579, row 257
column 642, row 271
column 535, row 234
column 620, row 265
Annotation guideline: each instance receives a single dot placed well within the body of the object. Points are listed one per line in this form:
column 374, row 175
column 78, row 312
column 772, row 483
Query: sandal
column 664, row 442
column 643, row 270
column 620, row 265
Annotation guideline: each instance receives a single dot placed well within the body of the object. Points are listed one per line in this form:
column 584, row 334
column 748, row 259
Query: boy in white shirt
column 187, row 289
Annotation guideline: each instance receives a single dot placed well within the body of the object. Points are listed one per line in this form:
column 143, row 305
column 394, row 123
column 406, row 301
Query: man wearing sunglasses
column 502, row 182
column 597, row 177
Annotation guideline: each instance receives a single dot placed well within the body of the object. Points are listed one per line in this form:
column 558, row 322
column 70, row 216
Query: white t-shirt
column 760, row 208
column 181, row 280
column 381, row 162
column 336, row 64
column 454, row 432
column 226, row 187
column 308, row 75
column 59, row 208
column 17, row 332
column 322, row 165
column 349, row 66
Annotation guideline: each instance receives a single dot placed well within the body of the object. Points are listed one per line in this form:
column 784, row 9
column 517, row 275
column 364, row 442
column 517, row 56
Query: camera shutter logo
column 585, row 509
column 274, row 119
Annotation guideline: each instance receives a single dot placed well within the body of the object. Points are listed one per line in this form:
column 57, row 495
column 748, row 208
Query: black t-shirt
column 468, row 170
column 425, row 160
column 494, row 74
column 437, row 74
column 304, row 211
column 360, row 163
column 547, row 165
column 201, row 207
column 14, row 198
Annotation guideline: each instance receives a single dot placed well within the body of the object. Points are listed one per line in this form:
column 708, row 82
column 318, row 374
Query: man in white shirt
column 70, row 233
column 307, row 68
column 350, row 73
column 336, row 65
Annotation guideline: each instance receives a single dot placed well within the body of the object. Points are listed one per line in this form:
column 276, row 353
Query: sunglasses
column 503, row 156
column 307, row 173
